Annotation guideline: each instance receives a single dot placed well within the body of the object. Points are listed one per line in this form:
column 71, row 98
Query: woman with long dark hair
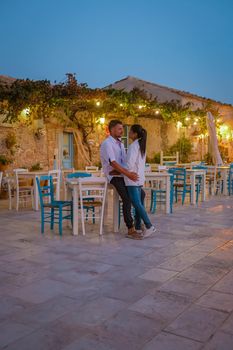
column 135, row 162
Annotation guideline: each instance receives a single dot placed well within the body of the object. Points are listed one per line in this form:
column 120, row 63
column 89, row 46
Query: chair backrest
column 169, row 160
column 78, row 175
column 162, row 168
column 56, row 175
column 20, row 181
column 179, row 175
column 45, row 189
column 93, row 188
column 92, row 168
column 20, row 170
column 147, row 168
column 200, row 167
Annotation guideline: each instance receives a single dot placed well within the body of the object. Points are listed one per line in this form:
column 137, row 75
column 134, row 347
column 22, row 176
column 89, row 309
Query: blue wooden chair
column 181, row 186
column 230, row 180
column 58, row 210
column 199, row 177
column 158, row 195
column 77, row 175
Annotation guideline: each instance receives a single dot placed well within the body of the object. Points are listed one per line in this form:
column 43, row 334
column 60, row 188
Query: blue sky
column 185, row 44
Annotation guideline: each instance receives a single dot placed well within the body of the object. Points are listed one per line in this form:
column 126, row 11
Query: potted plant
column 4, row 162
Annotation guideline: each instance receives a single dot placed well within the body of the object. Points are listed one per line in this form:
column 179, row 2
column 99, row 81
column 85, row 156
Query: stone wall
column 32, row 149
column 29, row 149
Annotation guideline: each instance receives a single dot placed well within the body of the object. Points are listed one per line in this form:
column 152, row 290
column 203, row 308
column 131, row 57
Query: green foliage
column 184, row 147
column 36, row 167
column 4, row 160
column 11, row 142
column 44, row 99
column 208, row 158
column 154, row 159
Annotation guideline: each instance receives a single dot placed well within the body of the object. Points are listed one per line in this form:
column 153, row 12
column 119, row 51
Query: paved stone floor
column 170, row 292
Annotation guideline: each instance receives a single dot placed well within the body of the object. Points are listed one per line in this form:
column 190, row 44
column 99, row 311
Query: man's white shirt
column 112, row 150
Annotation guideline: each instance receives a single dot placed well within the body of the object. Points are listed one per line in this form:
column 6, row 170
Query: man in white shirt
column 113, row 157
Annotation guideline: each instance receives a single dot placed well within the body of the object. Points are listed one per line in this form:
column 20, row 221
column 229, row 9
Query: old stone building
column 52, row 145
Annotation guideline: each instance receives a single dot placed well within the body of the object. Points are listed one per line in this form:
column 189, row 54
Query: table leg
column 115, row 210
column 75, row 210
column 225, row 192
column 203, row 185
column 193, row 192
column 168, row 193
column 36, row 195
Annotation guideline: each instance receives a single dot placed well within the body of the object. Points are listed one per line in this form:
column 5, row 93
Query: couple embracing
column 126, row 172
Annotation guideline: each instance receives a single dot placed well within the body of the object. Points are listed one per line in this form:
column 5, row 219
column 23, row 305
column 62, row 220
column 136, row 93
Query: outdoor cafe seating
column 179, row 179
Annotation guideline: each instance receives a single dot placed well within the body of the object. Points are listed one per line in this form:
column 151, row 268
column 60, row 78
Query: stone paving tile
column 127, row 291
column 197, row 323
column 158, row 275
column 10, row 305
column 220, row 341
column 163, row 307
column 228, row 325
column 45, row 339
column 95, row 312
column 188, row 289
column 87, row 343
column 45, row 313
column 41, row 291
column 225, row 285
column 166, row 341
column 203, row 274
column 11, row 331
column 217, row 301
column 182, row 261
column 87, row 292
column 132, row 326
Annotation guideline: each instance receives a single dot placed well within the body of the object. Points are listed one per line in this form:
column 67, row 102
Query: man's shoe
column 133, row 234
column 149, row 231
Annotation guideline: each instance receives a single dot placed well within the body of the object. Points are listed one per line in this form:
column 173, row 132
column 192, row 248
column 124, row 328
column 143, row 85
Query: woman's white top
column 135, row 163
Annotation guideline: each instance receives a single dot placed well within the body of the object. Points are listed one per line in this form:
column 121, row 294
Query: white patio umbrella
column 217, row 159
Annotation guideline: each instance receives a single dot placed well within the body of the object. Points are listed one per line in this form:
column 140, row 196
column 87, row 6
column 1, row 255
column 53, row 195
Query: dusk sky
column 184, row 44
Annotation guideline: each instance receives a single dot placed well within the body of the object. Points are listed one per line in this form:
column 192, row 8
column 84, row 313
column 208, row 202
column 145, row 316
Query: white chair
column 162, row 168
column 92, row 193
column 214, row 184
column 169, row 160
column 147, row 168
column 56, row 175
column 0, row 180
column 10, row 181
column 24, row 190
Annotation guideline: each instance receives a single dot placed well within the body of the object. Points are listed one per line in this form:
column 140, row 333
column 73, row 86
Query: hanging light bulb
column 98, row 103
column 179, row 125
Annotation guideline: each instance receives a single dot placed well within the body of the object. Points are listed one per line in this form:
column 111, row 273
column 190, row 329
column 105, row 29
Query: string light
column 179, row 125
column 102, row 120
column 187, row 118
column 121, row 104
column 98, row 103
column 157, row 111
column 140, row 106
